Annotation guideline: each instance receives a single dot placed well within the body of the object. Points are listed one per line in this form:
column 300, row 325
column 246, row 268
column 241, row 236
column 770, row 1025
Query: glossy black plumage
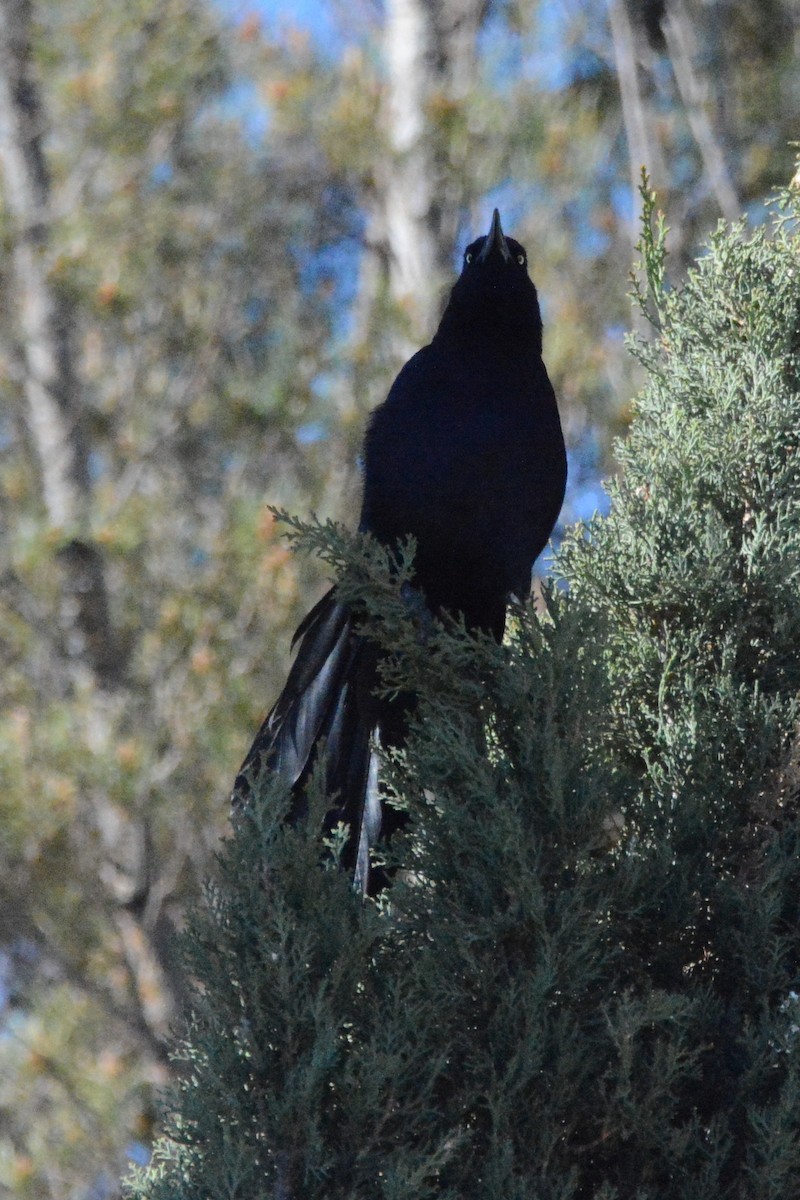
column 466, row 453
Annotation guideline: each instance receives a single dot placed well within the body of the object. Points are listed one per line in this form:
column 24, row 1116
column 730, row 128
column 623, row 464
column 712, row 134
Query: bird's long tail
column 328, row 699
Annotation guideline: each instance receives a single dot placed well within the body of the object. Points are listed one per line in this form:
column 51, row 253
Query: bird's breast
column 469, row 460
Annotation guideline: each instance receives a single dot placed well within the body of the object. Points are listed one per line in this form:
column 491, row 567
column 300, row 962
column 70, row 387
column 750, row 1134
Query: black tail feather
column 329, row 701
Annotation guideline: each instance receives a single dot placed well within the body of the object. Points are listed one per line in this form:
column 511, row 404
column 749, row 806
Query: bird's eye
column 521, row 259
column 467, row 258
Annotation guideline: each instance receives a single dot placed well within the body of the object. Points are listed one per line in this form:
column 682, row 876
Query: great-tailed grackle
column 466, row 454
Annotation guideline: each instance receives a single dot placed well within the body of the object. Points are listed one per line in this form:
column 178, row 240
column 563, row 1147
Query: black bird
column 467, row 455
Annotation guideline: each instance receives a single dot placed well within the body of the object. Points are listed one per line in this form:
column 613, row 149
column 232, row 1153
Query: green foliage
column 647, row 287
column 583, row 981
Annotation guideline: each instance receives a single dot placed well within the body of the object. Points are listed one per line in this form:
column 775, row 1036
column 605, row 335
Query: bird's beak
column 495, row 241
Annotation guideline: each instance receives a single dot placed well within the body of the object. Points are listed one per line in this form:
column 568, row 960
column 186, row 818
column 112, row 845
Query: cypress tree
column 583, row 982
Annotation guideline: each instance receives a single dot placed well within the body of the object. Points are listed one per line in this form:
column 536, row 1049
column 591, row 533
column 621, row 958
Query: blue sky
column 313, row 15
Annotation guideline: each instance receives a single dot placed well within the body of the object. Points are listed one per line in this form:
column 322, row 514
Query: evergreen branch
column 651, row 248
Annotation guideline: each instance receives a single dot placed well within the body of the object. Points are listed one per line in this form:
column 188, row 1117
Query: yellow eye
column 468, row 258
column 521, row 259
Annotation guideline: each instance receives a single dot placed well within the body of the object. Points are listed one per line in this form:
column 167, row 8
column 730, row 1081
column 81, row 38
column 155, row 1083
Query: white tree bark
column 410, row 178
column 54, row 417
column 430, row 56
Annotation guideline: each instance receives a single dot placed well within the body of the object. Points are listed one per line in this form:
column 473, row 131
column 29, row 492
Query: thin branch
column 694, row 89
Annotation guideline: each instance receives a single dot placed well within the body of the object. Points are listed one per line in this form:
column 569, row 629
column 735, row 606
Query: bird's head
column 494, row 292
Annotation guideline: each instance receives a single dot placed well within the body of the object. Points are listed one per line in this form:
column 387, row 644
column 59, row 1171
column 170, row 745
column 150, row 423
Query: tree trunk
column 643, row 147
column 414, row 213
column 52, row 391
column 90, row 646
column 694, row 89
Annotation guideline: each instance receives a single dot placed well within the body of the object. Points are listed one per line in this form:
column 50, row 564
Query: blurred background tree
column 225, row 225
